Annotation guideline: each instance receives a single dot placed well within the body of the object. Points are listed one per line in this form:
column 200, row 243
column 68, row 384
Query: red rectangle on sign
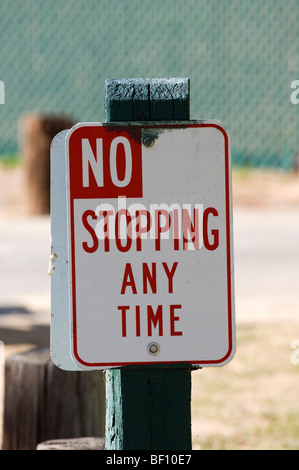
column 104, row 162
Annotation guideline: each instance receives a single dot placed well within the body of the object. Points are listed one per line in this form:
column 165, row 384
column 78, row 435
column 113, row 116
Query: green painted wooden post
column 148, row 408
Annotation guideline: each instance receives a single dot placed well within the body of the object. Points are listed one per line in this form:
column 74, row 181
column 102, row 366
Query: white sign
column 150, row 244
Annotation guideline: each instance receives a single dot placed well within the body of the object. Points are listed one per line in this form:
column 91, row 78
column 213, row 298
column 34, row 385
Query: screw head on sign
column 153, row 349
column 147, row 141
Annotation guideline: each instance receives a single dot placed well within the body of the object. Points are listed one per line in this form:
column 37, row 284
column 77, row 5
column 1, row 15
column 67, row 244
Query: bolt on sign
column 150, row 244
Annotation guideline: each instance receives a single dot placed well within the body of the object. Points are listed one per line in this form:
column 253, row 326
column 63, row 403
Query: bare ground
column 251, row 188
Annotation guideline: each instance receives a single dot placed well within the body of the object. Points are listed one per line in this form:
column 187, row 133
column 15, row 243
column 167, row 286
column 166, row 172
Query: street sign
column 150, row 244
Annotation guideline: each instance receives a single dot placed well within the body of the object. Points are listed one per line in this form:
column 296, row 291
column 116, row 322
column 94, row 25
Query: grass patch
column 251, row 403
column 10, row 160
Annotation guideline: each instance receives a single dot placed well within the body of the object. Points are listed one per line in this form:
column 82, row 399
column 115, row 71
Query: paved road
column 267, row 264
column 24, row 255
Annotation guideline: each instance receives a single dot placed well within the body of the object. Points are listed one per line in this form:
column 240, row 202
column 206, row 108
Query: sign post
column 148, row 198
column 149, row 407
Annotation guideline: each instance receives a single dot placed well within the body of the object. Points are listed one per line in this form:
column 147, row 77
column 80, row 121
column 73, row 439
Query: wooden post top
column 155, row 99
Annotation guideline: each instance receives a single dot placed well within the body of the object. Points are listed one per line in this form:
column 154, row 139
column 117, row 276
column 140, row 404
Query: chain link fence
column 241, row 56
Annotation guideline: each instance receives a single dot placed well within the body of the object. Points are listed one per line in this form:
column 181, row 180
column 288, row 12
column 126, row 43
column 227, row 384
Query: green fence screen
column 241, row 56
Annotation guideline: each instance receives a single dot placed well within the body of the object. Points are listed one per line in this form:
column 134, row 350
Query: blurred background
column 241, row 57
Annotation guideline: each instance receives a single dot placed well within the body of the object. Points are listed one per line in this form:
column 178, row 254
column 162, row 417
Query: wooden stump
column 36, row 134
column 43, row 402
column 82, row 443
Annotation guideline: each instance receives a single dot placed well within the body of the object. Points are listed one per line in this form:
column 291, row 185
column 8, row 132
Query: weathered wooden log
column 36, row 134
column 43, row 402
column 82, row 443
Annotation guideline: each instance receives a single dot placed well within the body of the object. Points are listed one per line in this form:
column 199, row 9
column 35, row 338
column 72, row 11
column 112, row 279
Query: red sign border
column 152, row 125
